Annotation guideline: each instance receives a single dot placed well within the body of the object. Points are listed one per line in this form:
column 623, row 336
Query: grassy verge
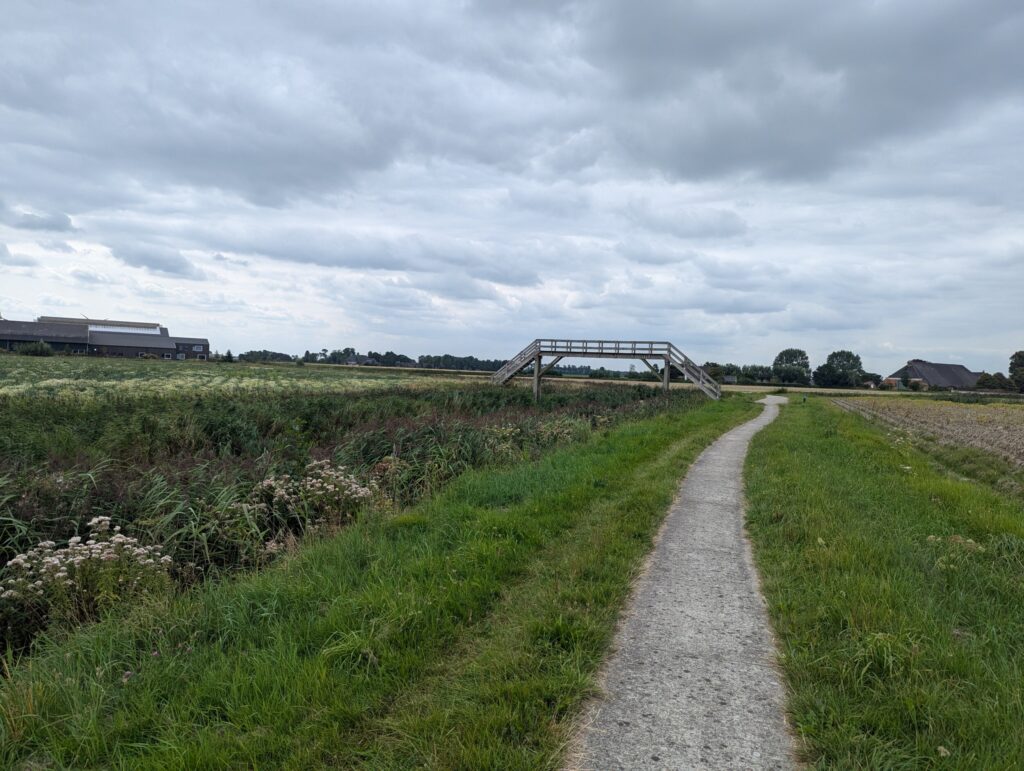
column 971, row 463
column 895, row 592
column 461, row 633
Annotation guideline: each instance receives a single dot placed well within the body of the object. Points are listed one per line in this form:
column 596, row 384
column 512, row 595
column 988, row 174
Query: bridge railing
column 625, row 348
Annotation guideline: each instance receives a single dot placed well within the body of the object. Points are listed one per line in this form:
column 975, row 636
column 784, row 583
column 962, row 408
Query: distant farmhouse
column 102, row 337
column 931, row 375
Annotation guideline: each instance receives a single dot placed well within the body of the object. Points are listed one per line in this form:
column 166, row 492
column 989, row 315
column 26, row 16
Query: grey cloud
column 218, row 257
column 672, row 295
column 797, row 88
column 309, row 102
column 560, row 199
column 513, row 264
column 51, row 301
column 686, row 221
column 650, row 252
column 738, row 274
column 156, row 258
column 15, row 260
column 84, row 276
column 57, row 246
column 24, row 220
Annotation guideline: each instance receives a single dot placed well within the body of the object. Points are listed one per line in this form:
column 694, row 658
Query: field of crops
column 995, row 428
column 160, row 474
column 73, row 377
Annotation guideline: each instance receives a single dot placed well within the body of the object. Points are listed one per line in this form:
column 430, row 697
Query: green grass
column 974, row 464
column 895, row 590
column 462, row 633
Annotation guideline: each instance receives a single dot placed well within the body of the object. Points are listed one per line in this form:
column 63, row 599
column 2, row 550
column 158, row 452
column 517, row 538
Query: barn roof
column 938, row 375
column 102, row 322
column 131, row 340
column 33, row 331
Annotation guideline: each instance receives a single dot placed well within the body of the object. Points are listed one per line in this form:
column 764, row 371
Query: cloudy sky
column 462, row 177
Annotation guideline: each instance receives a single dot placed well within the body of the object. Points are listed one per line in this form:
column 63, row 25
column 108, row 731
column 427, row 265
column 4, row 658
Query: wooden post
column 667, row 374
column 536, row 377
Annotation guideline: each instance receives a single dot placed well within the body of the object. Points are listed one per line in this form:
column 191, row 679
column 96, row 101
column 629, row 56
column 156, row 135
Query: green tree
column 228, row 358
column 714, row 370
column 842, row 369
column 755, row 373
column 265, row 355
column 996, row 382
column 792, row 366
column 1016, row 370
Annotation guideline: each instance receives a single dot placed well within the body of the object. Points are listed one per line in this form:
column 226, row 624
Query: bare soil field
column 995, row 428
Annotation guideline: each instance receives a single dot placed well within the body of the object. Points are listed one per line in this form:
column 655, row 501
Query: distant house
column 931, row 375
column 360, row 360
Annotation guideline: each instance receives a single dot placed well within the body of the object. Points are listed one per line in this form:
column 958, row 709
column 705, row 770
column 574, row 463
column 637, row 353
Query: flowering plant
column 78, row 582
column 326, row 494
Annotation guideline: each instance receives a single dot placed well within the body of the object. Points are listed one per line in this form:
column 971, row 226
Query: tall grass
column 152, row 464
column 462, row 633
column 184, row 472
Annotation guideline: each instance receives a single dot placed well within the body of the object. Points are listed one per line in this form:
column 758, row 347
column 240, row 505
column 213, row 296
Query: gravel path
column 692, row 682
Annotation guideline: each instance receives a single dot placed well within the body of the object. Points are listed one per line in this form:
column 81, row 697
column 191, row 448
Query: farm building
column 931, row 375
column 102, row 337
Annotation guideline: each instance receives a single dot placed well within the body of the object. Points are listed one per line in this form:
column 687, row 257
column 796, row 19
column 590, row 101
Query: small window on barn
column 167, row 356
column 181, row 357
column 198, row 348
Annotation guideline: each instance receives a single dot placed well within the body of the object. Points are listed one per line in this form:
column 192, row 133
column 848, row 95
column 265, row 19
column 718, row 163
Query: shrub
column 35, row 349
column 325, row 495
column 79, row 582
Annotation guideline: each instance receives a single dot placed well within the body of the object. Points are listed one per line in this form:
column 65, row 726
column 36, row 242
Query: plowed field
column 997, row 428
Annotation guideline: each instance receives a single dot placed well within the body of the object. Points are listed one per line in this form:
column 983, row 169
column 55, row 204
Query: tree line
column 792, row 366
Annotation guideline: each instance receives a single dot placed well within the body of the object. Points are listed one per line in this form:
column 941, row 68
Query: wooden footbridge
column 645, row 351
